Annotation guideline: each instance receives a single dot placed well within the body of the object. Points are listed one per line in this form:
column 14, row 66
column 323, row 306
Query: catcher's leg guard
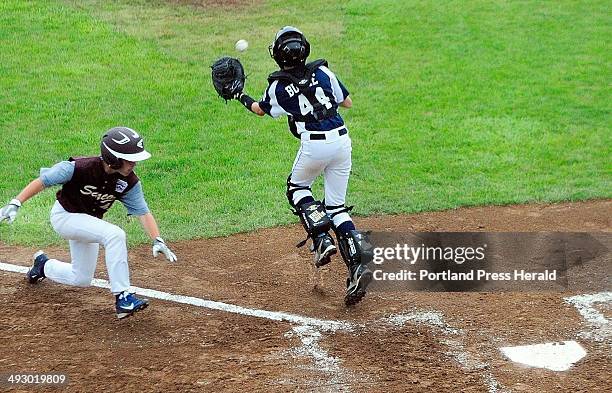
column 304, row 194
column 316, row 222
column 340, row 216
column 354, row 249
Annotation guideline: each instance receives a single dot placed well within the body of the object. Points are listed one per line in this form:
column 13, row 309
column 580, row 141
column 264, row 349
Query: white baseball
column 241, row 45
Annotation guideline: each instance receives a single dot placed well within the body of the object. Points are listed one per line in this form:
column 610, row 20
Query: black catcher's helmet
column 122, row 143
column 290, row 48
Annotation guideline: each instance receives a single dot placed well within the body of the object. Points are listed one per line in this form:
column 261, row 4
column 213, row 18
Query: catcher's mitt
column 228, row 77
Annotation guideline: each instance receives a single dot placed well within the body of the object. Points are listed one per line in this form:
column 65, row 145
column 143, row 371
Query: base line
column 323, row 324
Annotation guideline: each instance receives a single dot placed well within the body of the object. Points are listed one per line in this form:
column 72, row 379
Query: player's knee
column 297, row 194
column 115, row 234
column 340, row 217
column 343, row 220
column 305, row 200
column 289, row 191
column 82, row 281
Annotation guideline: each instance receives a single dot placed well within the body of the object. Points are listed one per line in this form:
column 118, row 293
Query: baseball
column 241, row 45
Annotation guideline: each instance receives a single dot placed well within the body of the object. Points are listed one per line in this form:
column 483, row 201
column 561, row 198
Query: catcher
column 90, row 185
column 309, row 94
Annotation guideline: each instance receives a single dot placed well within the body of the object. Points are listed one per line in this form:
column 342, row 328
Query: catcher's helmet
column 290, row 48
column 122, row 143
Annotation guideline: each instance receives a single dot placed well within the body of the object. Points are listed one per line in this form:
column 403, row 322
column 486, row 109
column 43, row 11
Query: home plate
column 556, row 356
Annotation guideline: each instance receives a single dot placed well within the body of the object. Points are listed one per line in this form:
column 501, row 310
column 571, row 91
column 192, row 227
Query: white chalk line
column 452, row 340
column 308, row 329
column 600, row 327
column 337, row 378
column 321, row 324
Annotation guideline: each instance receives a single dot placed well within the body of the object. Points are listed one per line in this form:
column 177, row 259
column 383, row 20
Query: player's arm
column 60, row 173
column 30, row 190
column 339, row 90
column 250, row 103
column 149, row 225
column 273, row 103
column 255, row 108
column 135, row 203
column 9, row 211
column 347, row 103
column 159, row 246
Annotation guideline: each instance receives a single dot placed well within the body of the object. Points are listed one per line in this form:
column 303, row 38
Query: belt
column 322, row 137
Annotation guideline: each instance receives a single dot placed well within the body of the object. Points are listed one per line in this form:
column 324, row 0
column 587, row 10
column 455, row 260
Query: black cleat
column 357, row 284
column 37, row 272
column 323, row 248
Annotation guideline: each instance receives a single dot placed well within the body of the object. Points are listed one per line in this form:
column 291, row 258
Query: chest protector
column 319, row 112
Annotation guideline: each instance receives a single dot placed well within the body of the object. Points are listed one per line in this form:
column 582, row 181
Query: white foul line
column 456, row 347
column 600, row 326
column 13, row 268
column 324, row 325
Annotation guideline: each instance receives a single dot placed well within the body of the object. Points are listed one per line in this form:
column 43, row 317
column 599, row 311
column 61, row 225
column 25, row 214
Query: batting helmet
column 122, row 143
column 290, row 48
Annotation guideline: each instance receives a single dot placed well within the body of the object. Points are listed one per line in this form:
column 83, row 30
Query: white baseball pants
column 330, row 157
column 85, row 233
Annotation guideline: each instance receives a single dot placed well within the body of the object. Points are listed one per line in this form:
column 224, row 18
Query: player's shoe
column 37, row 272
column 356, row 284
column 127, row 304
column 323, row 247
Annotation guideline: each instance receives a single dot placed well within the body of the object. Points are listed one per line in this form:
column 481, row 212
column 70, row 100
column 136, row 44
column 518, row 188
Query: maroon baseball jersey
column 91, row 190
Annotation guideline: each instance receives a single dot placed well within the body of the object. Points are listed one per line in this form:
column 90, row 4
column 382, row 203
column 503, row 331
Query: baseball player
column 309, row 95
column 90, row 185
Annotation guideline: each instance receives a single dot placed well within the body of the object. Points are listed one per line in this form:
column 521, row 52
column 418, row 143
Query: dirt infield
column 392, row 342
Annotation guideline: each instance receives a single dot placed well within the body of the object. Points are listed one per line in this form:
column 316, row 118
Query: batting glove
column 9, row 212
column 160, row 246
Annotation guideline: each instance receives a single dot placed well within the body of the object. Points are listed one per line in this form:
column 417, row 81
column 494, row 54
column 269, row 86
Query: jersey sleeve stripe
column 276, row 110
column 333, row 81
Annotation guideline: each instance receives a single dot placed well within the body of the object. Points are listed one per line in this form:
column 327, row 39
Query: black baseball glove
column 228, row 77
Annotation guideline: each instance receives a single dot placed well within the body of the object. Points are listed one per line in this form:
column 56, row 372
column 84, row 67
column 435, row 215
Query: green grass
column 456, row 103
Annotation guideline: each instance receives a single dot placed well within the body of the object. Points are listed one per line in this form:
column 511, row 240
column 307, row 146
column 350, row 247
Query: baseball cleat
column 323, row 248
column 127, row 304
column 357, row 284
column 37, row 272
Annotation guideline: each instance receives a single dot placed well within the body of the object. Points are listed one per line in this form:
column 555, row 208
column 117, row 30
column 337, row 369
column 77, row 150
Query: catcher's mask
column 122, row 143
column 290, row 48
